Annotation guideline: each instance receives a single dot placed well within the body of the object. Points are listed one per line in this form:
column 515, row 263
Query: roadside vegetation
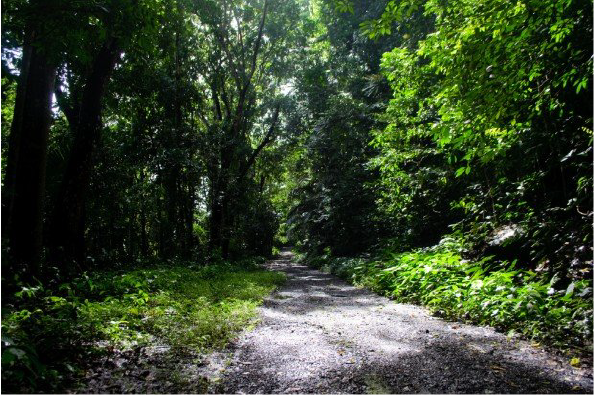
column 48, row 336
column 484, row 292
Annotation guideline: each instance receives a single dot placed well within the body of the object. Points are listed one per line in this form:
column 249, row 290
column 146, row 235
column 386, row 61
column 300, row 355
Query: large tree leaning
column 66, row 230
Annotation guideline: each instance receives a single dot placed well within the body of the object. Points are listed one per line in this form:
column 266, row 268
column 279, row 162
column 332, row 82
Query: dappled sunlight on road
column 319, row 334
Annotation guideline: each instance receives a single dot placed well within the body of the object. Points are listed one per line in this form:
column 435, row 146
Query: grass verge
column 47, row 335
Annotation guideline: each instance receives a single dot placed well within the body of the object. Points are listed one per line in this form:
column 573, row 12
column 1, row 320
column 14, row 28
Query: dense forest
column 154, row 152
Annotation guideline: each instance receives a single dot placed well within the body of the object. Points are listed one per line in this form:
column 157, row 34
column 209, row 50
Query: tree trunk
column 171, row 197
column 67, row 226
column 173, row 170
column 27, row 161
column 161, row 223
column 190, row 219
column 219, row 203
column 14, row 142
column 144, row 248
column 216, row 222
column 226, row 231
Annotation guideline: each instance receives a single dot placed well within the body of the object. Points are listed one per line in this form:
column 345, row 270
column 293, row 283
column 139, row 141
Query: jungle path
column 320, row 335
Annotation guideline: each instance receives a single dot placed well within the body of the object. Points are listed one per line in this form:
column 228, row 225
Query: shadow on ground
column 320, row 335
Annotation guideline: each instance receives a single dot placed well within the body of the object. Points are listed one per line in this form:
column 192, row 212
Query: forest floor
column 320, row 335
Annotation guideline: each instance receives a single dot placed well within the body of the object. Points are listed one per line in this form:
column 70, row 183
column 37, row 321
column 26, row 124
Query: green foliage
column 339, row 94
column 183, row 306
column 481, row 292
column 341, row 266
column 335, row 208
column 487, row 126
column 491, row 44
column 8, row 97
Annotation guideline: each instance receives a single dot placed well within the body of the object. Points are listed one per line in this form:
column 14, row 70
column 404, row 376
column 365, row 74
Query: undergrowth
column 511, row 300
column 48, row 334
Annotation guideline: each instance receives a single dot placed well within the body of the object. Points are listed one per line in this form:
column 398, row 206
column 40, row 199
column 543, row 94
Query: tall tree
column 67, row 223
column 119, row 21
column 250, row 44
column 24, row 182
column 26, row 169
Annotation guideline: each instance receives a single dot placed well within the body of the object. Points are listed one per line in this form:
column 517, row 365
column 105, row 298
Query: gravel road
column 320, row 335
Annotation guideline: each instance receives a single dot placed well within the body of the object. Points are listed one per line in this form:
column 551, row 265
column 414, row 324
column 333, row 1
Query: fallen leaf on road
column 575, row 362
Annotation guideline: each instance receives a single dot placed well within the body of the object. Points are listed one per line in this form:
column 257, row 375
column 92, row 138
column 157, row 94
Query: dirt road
column 321, row 335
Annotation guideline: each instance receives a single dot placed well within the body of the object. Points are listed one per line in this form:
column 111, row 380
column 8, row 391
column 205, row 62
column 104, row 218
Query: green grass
column 185, row 307
column 516, row 301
